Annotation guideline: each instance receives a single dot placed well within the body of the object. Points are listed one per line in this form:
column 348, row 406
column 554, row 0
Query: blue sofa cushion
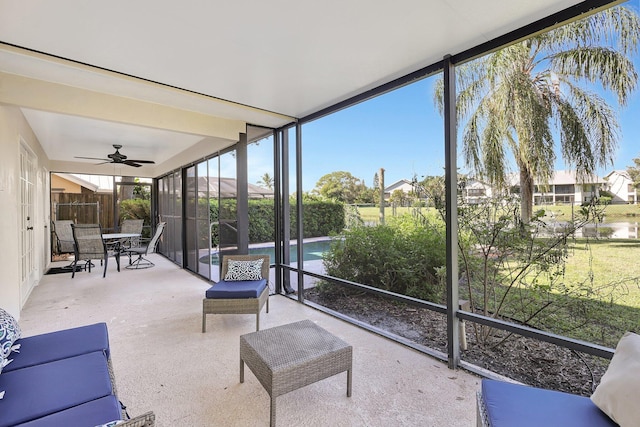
column 41, row 390
column 511, row 405
column 58, row 345
column 236, row 289
column 96, row 412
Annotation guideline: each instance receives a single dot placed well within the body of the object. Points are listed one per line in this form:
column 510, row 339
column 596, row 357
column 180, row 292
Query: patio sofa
column 613, row 403
column 63, row 378
column 504, row 404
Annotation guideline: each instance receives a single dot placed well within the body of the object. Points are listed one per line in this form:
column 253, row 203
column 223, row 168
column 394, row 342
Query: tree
column 511, row 101
column 431, row 188
column 341, row 186
column 634, row 172
column 266, row 181
column 399, row 198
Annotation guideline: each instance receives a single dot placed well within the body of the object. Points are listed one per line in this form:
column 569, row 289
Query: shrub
column 401, row 256
column 321, row 218
column 136, row 209
column 261, row 221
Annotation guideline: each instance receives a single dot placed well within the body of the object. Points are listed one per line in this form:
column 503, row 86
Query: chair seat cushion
column 509, row 405
column 41, row 390
column 57, row 345
column 94, row 413
column 236, row 289
column 136, row 250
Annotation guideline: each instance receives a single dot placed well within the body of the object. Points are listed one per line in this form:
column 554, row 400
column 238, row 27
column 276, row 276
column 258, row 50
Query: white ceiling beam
column 46, row 96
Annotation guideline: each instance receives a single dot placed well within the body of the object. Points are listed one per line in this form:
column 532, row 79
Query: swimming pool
column 311, row 251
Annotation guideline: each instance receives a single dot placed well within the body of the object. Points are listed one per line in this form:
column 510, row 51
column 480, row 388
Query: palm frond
column 591, row 129
column 471, row 147
column 617, row 27
column 614, row 71
column 493, row 155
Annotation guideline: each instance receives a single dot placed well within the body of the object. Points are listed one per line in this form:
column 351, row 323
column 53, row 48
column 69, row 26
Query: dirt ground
column 526, row 360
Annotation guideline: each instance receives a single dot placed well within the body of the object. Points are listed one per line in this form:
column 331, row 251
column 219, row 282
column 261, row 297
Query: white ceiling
column 243, row 61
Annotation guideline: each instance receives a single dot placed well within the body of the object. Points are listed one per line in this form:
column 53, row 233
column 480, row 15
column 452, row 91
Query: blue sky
column 402, row 132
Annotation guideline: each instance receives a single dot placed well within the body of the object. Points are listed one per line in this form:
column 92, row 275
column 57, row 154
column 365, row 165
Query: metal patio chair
column 89, row 245
column 132, row 226
column 144, row 250
column 64, row 236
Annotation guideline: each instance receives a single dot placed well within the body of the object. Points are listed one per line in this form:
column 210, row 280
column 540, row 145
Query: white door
column 27, row 221
column 42, row 206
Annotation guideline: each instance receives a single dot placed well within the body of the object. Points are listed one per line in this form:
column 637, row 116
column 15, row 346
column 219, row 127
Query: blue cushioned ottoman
column 236, row 289
column 41, row 390
column 94, row 413
column 58, row 345
column 513, row 405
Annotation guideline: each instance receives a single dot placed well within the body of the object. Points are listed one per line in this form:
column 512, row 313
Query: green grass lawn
column 596, row 300
column 612, row 213
column 371, row 214
column 611, row 261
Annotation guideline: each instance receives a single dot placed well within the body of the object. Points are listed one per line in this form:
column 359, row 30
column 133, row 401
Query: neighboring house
column 475, row 191
column 403, row 185
column 82, row 198
column 70, row 183
column 620, row 185
column 225, row 188
column 563, row 188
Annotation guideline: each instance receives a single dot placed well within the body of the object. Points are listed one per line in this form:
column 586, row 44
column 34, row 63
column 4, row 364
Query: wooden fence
column 89, row 208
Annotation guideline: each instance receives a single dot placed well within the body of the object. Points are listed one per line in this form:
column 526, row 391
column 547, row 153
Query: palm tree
column 516, row 102
column 266, row 181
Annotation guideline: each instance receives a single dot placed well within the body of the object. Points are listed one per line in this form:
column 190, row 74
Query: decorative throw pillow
column 111, row 423
column 244, row 270
column 618, row 391
column 9, row 333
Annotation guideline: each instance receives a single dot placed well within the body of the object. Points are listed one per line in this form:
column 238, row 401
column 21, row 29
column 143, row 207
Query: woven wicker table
column 291, row 356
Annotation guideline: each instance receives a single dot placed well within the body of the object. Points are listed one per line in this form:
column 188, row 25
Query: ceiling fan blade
column 151, row 162
column 119, row 158
column 92, row 158
column 131, row 163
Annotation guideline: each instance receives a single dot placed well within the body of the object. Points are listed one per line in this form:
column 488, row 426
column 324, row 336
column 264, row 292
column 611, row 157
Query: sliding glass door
column 170, row 210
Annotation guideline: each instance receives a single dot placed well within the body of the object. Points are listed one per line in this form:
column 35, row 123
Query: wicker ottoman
column 291, row 356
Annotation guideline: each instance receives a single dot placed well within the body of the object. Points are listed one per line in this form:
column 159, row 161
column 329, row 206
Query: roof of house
column 228, row 188
column 396, row 185
column 78, row 180
column 620, row 172
column 560, row 177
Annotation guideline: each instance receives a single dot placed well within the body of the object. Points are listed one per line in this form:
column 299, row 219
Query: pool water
column 311, row 251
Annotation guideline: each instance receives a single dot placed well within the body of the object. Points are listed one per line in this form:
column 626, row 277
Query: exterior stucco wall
column 66, row 185
column 618, row 186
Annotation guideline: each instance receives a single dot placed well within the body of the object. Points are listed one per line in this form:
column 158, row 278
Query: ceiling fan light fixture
column 120, row 158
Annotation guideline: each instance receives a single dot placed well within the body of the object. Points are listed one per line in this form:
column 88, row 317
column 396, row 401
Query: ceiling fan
column 117, row 157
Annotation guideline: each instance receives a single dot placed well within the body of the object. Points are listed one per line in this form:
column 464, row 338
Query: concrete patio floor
column 163, row 362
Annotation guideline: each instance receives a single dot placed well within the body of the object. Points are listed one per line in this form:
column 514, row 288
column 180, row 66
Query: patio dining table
column 115, row 241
